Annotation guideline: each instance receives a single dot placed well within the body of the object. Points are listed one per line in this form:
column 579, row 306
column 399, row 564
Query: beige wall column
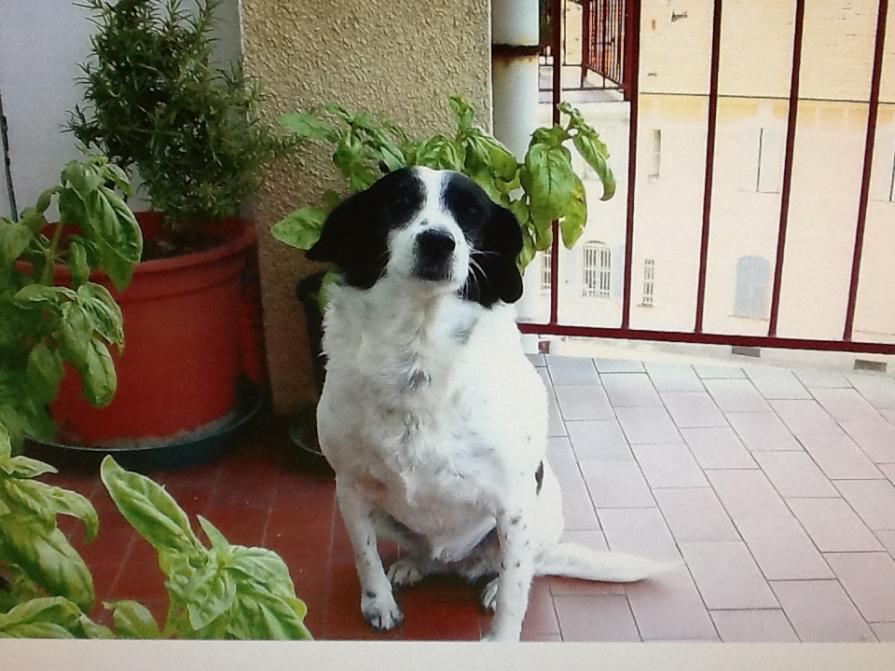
column 402, row 58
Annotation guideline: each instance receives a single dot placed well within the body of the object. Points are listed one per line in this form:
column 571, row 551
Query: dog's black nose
column 435, row 243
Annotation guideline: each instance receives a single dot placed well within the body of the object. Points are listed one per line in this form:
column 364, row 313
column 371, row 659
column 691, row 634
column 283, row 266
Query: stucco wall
column 399, row 57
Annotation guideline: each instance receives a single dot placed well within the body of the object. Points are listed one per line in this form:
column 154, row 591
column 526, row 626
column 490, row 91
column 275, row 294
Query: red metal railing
column 594, row 13
column 603, row 41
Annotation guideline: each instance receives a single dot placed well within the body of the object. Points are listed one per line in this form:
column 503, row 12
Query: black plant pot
column 303, row 428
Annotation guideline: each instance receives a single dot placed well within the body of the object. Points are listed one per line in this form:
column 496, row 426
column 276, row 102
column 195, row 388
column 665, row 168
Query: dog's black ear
column 501, row 242
column 337, row 231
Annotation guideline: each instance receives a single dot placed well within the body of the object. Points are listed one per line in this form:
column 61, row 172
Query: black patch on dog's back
column 355, row 234
column 494, row 234
column 539, row 477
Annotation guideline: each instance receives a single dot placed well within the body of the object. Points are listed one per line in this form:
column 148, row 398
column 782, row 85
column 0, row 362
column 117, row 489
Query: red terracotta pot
column 184, row 328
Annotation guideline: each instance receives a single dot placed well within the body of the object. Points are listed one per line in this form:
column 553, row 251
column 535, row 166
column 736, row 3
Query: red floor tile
column 440, row 608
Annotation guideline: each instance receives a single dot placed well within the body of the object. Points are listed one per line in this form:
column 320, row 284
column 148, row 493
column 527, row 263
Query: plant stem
column 47, row 275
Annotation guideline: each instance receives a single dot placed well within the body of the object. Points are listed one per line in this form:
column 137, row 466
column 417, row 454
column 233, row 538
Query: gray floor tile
column 794, row 474
column 820, row 611
column 847, row 405
column 639, row 531
column 762, row 431
column 647, row 425
column 754, row 626
column 595, row 618
column 839, row 457
column 674, row 377
column 616, row 484
column 630, row 389
column 782, row 549
column 693, row 409
column 776, row 383
column 873, row 500
column 572, row 370
column 878, row 389
column 599, row 440
column 618, row 365
column 669, row 465
column 718, row 448
column 822, row 378
column 833, row 525
column 736, row 396
column 695, row 515
column 668, row 608
column 869, row 579
column 876, row 439
column 719, row 372
column 747, row 494
column 727, row 576
column 805, row 417
column 583, row 401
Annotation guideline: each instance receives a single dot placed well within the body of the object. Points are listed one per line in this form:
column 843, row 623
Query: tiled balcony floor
column 775, row 487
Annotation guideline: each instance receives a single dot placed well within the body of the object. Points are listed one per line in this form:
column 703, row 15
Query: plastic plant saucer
column 177, row 454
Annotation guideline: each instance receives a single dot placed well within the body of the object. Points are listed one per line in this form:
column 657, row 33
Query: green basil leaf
column 543, row 237
column 102, row 311
column 14, row 239
column 71, row 208
column 5, row 444
column 46, row 617
column 94, row 630
column 84, row 178
column 262, row 616
column 75, row 331
column 112, row 227
column 45, row 557
column 33, row 219
column 550, row 180
column 572, row 225
column 300, row 229
column 43, row 372
column 116, row 175
column 463, row 112
column 528, row 248
column 43, row 200
column 211, row 592
column 264, row 567
column 439, row 153
column 25, row 467
column 307, row 126
column 67, row 502
column 149, row 509
column 218, row 542
column 133, row 620
column 77, row 263
column 594, row 152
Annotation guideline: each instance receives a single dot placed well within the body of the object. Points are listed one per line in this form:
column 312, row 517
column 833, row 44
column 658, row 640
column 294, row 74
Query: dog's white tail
column 570, row 560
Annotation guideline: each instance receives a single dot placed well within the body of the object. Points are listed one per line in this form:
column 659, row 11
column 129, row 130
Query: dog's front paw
column 381, row 611
column 404, row 572
column 489, row 595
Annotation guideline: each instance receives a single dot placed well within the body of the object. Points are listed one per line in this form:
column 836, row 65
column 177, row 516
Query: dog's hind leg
column 377, row 601
column 570, row 560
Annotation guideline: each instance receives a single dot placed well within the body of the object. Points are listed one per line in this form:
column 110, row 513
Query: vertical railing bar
column 869, row 142
column 632, row 59
column 709, row 165
column 787, row 163
column 556, row 98
column 585, row 39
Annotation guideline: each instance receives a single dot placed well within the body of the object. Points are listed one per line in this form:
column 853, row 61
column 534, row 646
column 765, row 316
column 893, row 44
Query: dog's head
column 435, row 229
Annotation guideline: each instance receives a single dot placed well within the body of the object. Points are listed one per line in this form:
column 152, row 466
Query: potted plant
column 51, row 313
column 157, row 106
column 539, row 190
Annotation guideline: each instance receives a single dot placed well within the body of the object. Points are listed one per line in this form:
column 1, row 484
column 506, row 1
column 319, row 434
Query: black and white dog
column 431, row 416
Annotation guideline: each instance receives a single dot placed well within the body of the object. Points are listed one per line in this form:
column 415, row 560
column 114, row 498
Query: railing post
column 586, row 38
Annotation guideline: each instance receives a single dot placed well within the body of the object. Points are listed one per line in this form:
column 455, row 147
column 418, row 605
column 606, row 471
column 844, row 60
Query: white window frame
column 649, row 282
column 596, row 269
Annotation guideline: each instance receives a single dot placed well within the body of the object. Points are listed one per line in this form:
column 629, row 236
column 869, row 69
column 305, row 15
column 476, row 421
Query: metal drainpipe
column 514, row 82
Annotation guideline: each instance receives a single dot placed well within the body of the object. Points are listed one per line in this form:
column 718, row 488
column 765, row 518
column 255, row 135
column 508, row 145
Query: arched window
column 597, row 267
column 751, row 298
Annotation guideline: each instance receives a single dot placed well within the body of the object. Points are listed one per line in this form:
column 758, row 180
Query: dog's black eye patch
column 355, row 235
column 495, row 237
column 467, row 204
